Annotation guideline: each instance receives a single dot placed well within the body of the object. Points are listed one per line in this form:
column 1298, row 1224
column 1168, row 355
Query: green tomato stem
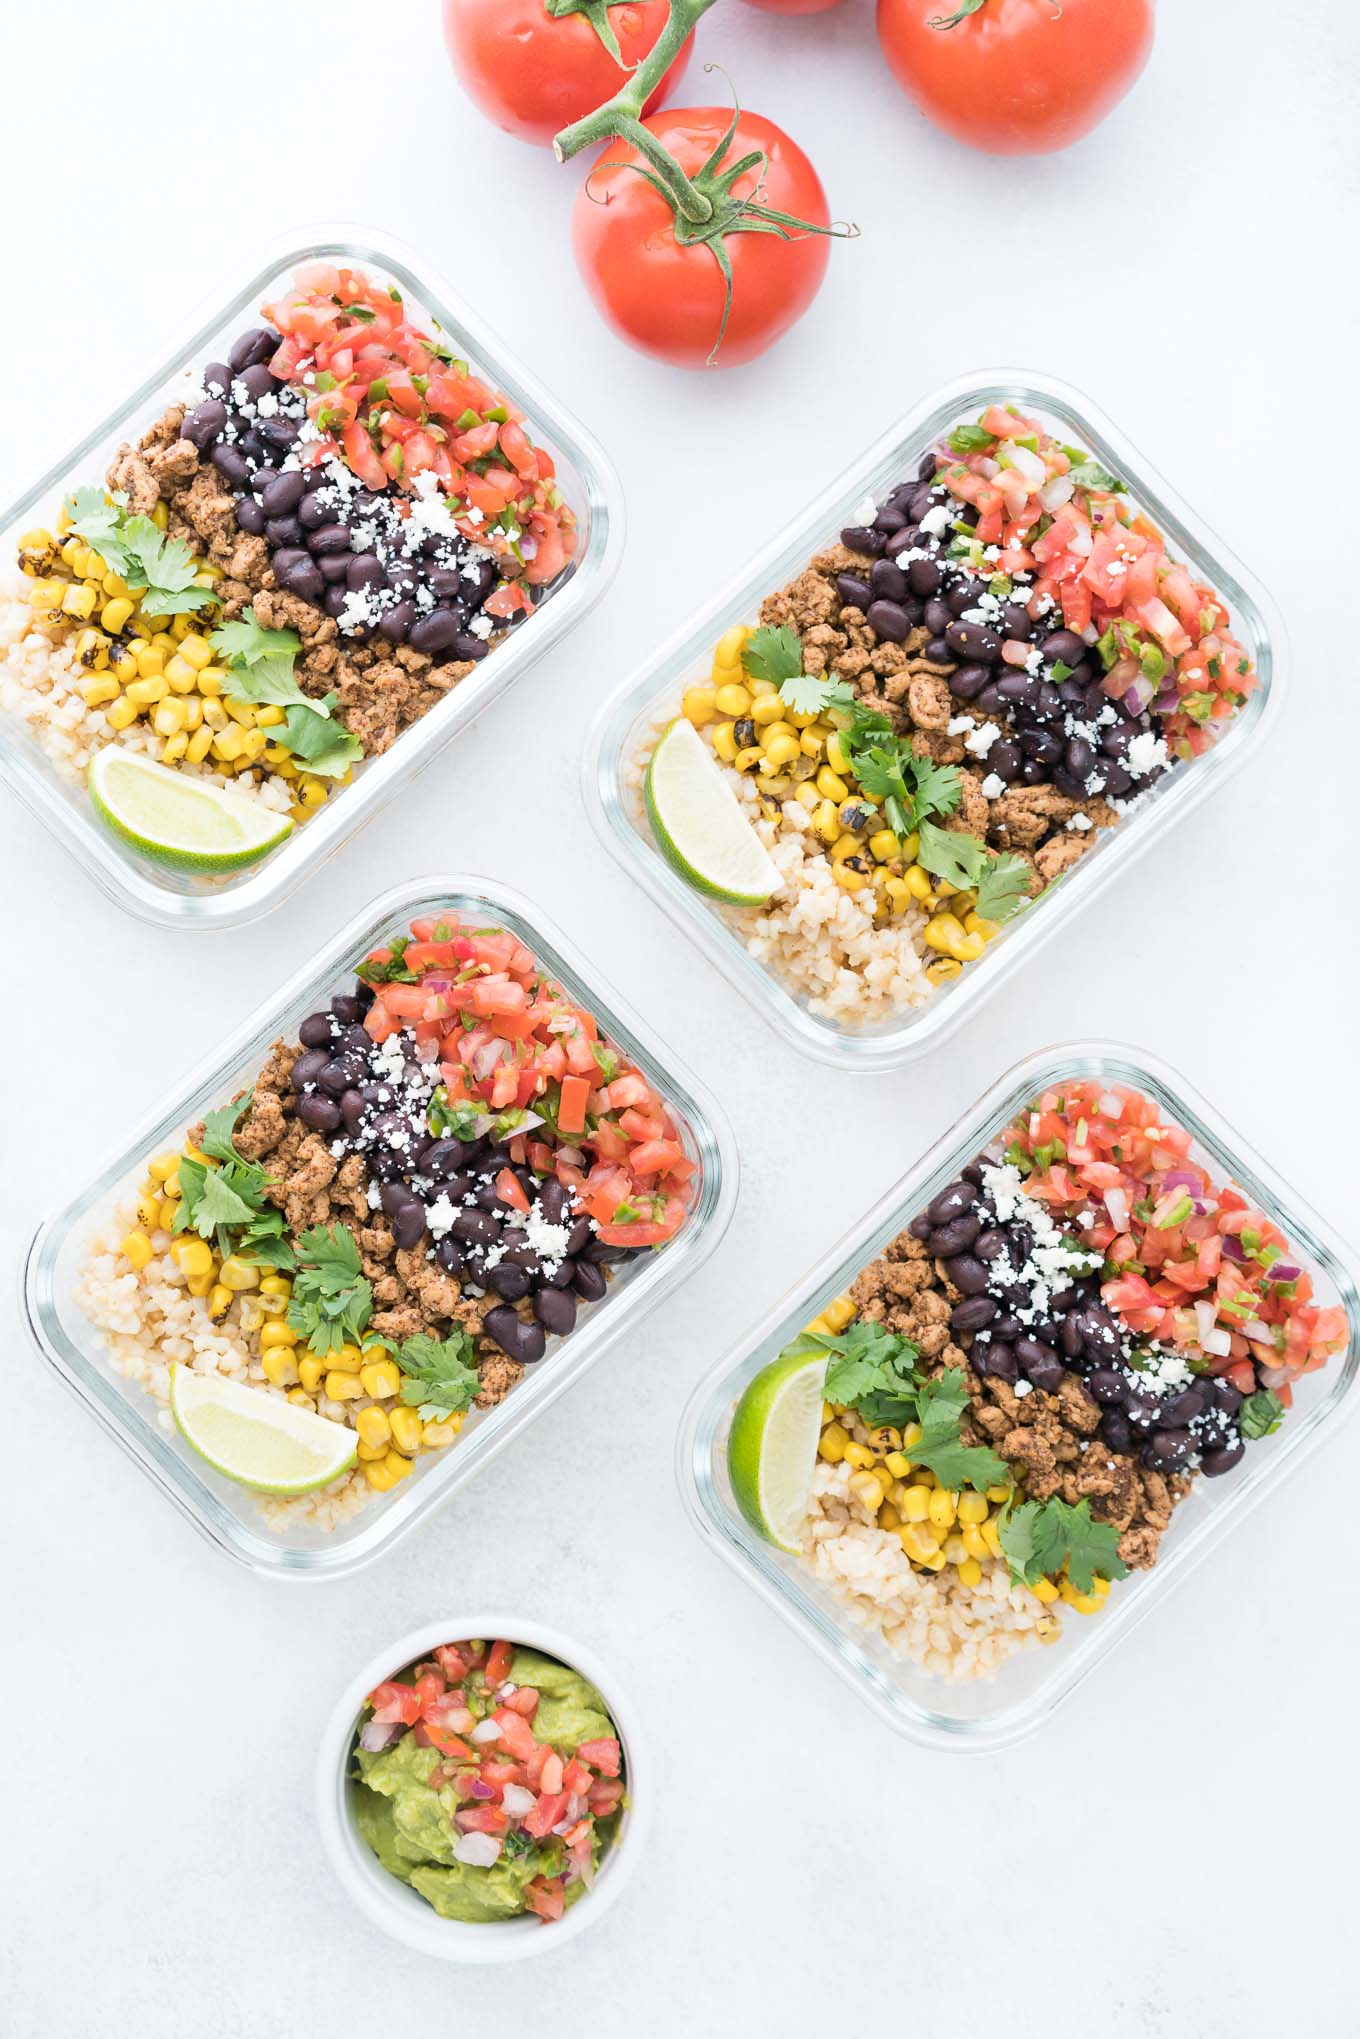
column 629, row 100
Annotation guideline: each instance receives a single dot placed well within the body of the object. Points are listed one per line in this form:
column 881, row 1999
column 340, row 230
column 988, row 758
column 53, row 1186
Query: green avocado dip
column 489, row 1778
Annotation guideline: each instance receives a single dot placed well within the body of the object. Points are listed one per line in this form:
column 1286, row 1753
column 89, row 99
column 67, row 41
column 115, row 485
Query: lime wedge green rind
column 699, row 825
column 772, row 1448
column 178, row 820
column 256, row 1438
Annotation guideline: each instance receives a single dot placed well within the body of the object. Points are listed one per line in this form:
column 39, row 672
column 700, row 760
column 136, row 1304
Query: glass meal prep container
column 585, row 476
column 631, row 722
column 229, row 1514
column 1030, row 1685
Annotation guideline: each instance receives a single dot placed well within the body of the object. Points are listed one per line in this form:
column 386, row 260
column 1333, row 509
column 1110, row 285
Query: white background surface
column 1174, row 1854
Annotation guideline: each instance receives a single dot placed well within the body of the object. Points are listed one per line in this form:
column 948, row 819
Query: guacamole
column 409, row 1821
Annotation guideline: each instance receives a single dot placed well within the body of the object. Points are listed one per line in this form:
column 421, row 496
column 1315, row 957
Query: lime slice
column 772, row 1448
column 698, row 823
column 177, row 819
column 255, row 1438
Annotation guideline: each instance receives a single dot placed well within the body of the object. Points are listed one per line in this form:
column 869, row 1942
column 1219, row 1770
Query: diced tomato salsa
column 1187, row 1260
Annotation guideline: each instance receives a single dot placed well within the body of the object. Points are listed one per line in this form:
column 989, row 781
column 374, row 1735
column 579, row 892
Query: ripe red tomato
column 1016, row 77
column 667, row 299
column 534, row 73
column 796, row 6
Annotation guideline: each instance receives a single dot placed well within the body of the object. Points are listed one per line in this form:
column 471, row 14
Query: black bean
column 312, row 514
column 1002, row 1363
column 334, row 599
column 890, row 518
column 602, row 1255
column 408, row 1225
column 435, row 632
column 937, row 617
column 348, row 1008
column 1005, row 760
column 303, row 580
column 1047, row 1372
column 952, row 1202
column 488, row 1198
column 476, row 1228
column 217, row 378
column 315, row 1031
column 887, row 580
column 1016, row 622
column 279, row 434
column 579, row 1237
column 1222, row 1459
column 968, row 681
column 308, row 1067
column 962, row 595
column 1041, row 746
column 555, row 1310
column 521, row 1341
column 328, row 538
column 973, row 642
column 319, row 1112
column 250, row 517
column 959, row 1233
column 974, row 1313
column 563, row 1275
column 334, row 571
column 1008, row 1327
column 1016, row 686
column 854, row 593
column 231, row 465
column 922, row 502
column 969, row 1276
column 251, row 443
column 989, row 1244
column 352, row 1110
column 1117, row 781
column 552, row 1200
column 923, row 578
column 1114, row 1428
column 465, row 645
column 444, row 1159
column 204, row 422
column 589, row 1281
column 397, row 621
column 890, row 621
column 364, row 571
column 1181, row 1409
column 283, row 531
column 337, row 1076
column 1064, row 645
column 989, row 700
column 1107, row 1386
column 1069, row 1337
column 259, row 344
column 509, row 1281
column 938, row 652
column 1225, row 1396
column 449, row 1254
column 859, row 538
column 282, row 496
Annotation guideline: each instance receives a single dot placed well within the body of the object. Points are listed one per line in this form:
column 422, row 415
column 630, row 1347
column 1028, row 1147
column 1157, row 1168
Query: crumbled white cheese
column 993, row 786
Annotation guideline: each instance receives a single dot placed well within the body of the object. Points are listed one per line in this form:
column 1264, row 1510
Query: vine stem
column 620, row 118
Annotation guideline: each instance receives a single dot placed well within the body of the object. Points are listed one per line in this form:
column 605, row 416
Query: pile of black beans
column 1170, row 1430
column 345, row 1092
column 1058, row 736
column 417, row 588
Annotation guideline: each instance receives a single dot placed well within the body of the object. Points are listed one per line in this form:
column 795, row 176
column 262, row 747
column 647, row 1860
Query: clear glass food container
column 1030, row 1685
column 228, row 1514
column 586, row 478
column 631, row 721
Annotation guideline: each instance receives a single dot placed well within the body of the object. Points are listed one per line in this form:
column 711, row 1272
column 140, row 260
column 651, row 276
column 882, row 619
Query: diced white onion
column 486, row 1731
column 1112, row 1106
column 1117, row 1204
column 1056, row 492
column 517, row 1799
column 479, row 1851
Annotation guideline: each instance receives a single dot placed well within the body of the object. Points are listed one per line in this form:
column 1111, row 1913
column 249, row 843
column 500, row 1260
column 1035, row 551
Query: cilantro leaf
column 952, row 855
column 219, row 1126
column 134, row 548
column 331, row 1301
column 1032, row 1542
column 97, row 519
column 804, row 693
column 1261, row 1414
column 243, row 641
column 1040, row 1537
column 270, row 679
column 939, row 788
column 1091, row 1547
column 326, row 747
column 969, row 439
column 208, row 1199
column 1003, row 888
column 774, row 653
column 440, row 1377
column 941, row 1403
column 394, row 971
column 1087, row 473
column 456, row 1121
column 873, row 1370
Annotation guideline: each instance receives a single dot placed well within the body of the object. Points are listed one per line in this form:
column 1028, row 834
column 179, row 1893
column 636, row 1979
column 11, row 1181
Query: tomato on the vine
column 533, row 72
column 669, row 296
column 796, row 6
column 1016, row 77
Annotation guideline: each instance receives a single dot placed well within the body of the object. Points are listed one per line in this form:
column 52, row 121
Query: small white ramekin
column 394, row 1906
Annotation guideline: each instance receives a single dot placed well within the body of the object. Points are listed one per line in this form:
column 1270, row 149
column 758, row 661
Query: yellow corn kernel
column 122, row 662
column 151, row 664
column 781, row 750
column 1086, row 1603
column 137, row 1249
column 311, row 1370
column 699, row 705
column 840, row 1311
column 883, row 844
column 242, row 712
column 858, row 1455
column 915, row 1503
column 167, row 718
column 849, row 875
column 312, row 795
column 373, row 1427
column 869, row 1491
column 280, row 1366
column 269, row 716
column 968, row 948
column 380, row 1475
column 912, row 1433
column 174, row 748
column 211, row 680
column 398, row 1465
column 46, row 595
column 180, row 675
column 254, row 746
column 730, row 646
column 833, row 1444
column 192, row 1256
column 39, row 539
column 825, row 821
column 888, row 1517
column 970, row 1572
column 1045, row 1590
column 942, row 1507
column 406, row 1429
column 725, row 741
column 201, row 1284
column 974, row 1542
column 229, row 743
column 955, row 1549
column 78, row 600
column 219, row 1300
column 372, row 1451
column 148, row 1210
column 197, row 746
column 162, row 1166
column 972, row 1508
column 944, row 931
column 191, row 708
column 996, row 1495
column 146, row 693
column 276, row 1285
column 163, row 642
column 92, row 649
column 767, row 708
column 917, row 883
column 991, row 1536
column 918, row 1545
column 277, row 1332
column 831, row 786
column 439, row 1434
column 945, row 967
column 898, row 1464
column 239, row 1274
column 381, row 1378
column 811, row 743
column 97, row 691
column 343, row 1387
column 196, row 649
column 732, row 699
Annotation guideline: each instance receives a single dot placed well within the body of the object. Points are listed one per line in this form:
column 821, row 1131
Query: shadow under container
column 1030, row 1685
column 585, row 477
column 631, row 722
column 229, row 1515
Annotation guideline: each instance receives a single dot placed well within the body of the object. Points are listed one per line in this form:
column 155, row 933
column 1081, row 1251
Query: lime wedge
column 255, row 1438
column 177, row 819
column 772, row 1447
column 698, row 823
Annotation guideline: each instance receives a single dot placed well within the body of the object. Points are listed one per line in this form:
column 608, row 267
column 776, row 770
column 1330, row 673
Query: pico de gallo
column 490, row 1778
column 410, row 1203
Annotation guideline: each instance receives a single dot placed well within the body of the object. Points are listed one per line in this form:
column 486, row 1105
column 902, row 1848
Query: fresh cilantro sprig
column 331, row 1301
column 139, row 552
column 941, row 1402
column 453, row 1121
column 775, row 653
column 871, row 1369
column 441, row 1379
column 395, row 970
column 1002, row 882
column 1087, row 473
column 228, row 1205
column 1261, row 1414
column 261, row 663
column 1039, row 1537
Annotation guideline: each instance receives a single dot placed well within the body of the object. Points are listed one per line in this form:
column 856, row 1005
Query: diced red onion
column 479, row 1788
column 1282, row 1273
column 1183, row 1178
column 573, row 1156
column 487, row 1057
column 1233, row 1249
column 1139, row 694
column 1055, row 493
column 377, row 1734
